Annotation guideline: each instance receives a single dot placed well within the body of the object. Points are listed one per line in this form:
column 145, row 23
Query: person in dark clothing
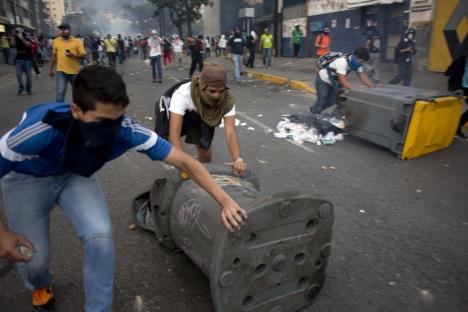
column 252, row 46
column 20, row 41
column 120, row 49
column 167, row 51
column 236, row 47
column 404, row 52
column 196, row 49
column 458, row 79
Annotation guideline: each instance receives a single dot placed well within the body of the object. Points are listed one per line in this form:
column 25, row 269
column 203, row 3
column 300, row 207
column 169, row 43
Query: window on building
column 347, row 23
column 334, row 22
column 25, row 13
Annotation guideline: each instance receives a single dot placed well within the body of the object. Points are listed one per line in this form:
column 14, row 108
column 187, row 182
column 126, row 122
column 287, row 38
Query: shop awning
column 359, row 3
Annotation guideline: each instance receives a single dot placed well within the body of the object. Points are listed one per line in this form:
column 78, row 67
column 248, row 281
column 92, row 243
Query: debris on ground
column 323, row 130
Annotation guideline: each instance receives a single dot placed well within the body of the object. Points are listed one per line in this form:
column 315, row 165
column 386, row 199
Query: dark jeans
column 35, row 65
column 24, row 66
column 6, row 55
column 197, row 58
column 297, row 47
column 121, row 56
column 464, row 116
column 251, row 60
column 326, row 96
column 404, row 73
column 156, row 67
column 111, row 56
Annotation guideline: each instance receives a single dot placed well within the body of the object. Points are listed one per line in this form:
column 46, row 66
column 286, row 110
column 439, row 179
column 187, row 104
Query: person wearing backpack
column 404, row 52
column 323, row 42
column 331, row 78
column 252, row 46
column 194, row 108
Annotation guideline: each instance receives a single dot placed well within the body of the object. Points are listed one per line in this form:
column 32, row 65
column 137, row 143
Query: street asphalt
column 401, row 227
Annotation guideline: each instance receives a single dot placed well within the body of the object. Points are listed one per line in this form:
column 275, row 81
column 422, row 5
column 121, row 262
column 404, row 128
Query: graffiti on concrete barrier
column 192, row 251
column 224, row 180
column 189, row 217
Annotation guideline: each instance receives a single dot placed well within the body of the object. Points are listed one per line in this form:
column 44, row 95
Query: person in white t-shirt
column 222, row 44
column 331, row 80
column 197, row 107
column 154, row 52
column 178, row 46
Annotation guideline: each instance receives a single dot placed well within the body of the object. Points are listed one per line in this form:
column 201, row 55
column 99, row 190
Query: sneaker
column 43, row 299
column 160, row 81
column 29, row 92
column 19, row 92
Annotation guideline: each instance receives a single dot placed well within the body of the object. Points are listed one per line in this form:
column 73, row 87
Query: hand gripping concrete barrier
column 275, row 263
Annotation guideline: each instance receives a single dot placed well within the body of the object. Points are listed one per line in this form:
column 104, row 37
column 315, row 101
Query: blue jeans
column 267, row 56
column 24, row 66
column 121, row 56
column 62, row 80
column 237, row 59
column 28, row 201
column 326, row 96
column 156, row 65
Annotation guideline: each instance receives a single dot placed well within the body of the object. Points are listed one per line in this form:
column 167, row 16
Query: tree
column 182, row 11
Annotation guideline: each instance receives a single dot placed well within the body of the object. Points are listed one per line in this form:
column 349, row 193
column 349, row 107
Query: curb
column 294, row 84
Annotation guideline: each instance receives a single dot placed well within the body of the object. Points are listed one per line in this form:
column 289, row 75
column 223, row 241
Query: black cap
column 64, row 26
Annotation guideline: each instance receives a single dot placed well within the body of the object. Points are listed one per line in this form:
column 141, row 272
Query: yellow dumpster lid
column 432, row 126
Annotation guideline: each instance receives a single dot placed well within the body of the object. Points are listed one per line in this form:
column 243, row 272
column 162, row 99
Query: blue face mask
column 87, row 145
column 354, row 63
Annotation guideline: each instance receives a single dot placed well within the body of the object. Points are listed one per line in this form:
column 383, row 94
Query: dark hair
column 362, row 53
column 97, row 83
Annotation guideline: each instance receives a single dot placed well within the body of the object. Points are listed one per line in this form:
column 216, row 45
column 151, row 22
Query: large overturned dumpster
column 276, row 262
column 410, row 122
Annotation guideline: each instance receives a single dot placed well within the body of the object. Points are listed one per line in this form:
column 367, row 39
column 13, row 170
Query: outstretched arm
column 365, row 80
column 175, row 128
column 239, row 166
column 232, row 215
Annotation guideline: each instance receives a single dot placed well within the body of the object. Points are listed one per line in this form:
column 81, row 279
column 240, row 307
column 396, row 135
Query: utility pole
column 276, row 29
column 14, row 13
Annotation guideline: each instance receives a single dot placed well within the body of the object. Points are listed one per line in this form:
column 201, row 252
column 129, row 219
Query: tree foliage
column 181, row 11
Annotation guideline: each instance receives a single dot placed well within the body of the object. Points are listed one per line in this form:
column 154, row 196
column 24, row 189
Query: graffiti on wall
column 288, row 26
column 317, row 7
column 449, row 31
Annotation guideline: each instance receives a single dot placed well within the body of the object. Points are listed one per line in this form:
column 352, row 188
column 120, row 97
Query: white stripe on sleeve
column 148, row 144
column 9, row 154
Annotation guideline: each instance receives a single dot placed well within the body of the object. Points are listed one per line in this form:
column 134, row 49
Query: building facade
column 29, row 14
column 55, row 10
column 441, row 25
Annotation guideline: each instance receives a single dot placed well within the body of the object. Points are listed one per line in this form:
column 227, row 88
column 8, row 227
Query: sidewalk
column 6, row 71
column 300, row 74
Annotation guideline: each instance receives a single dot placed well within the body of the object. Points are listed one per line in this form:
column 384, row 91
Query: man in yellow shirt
column 110, row 45
column 266, row 44
column 67, row 51
column 5, row 46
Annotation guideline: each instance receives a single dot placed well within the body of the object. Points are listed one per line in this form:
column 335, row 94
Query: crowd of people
column 52, row 155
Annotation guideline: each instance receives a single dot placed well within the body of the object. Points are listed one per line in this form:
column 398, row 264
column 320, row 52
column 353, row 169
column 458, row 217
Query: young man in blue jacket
column 52, row 156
